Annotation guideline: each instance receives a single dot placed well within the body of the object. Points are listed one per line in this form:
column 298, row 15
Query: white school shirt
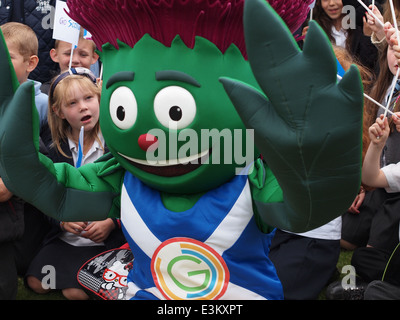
column 329, row 231
column 95, row 152
column 340, row 37
column 392, row 174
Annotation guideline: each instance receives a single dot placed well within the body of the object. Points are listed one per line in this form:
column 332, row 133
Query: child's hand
column 391, row 38
column 74, row 227
column 379, row 131
column 396, row 120
column 98, row 231
column 390, row 33
column 355, row 206
column 370, row 25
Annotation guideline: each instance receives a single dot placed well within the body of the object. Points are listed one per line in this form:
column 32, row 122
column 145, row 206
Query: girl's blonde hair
column 60, row 128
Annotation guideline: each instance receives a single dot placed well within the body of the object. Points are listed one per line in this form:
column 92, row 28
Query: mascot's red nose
column 146, row 141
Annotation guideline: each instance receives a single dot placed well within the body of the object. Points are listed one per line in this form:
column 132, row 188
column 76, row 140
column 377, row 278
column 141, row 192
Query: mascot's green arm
column 58, row 190
column 307, row 126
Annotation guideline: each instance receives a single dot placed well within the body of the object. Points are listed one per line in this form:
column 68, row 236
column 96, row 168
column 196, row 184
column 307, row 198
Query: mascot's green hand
column 307, row 125
column 58, row 190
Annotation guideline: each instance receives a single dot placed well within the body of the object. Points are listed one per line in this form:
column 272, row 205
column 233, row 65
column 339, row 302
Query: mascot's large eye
column 123, row 108
column 174, row 107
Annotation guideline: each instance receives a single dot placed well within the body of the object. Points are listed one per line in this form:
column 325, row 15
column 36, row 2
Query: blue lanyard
column 80, row 149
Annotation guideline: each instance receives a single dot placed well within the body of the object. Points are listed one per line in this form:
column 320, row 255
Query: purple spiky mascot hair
column 219, row 21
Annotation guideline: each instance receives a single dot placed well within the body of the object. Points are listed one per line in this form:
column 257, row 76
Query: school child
column 355, row 231
column 73, row 104
column 23, row 45
column 84, row 55
column 344, row 32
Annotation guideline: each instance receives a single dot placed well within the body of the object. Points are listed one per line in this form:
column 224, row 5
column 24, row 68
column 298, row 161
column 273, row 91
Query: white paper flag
column 65, row 28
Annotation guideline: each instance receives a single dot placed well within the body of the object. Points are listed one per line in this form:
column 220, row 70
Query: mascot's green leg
column 307, row 126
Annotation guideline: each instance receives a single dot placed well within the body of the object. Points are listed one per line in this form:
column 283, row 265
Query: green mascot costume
column 219, row 129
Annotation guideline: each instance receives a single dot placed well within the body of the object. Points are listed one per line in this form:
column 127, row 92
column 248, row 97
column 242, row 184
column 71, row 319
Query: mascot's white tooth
column 170, row 162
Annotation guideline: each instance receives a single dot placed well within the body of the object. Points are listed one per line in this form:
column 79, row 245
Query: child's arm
column 372, row 175
column 370, row 25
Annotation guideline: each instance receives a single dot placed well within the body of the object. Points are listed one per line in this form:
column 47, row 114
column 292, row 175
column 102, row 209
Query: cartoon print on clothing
column 196, row 227
column 105, row 275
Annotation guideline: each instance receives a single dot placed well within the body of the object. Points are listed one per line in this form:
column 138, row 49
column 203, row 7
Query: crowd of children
column 68, row 107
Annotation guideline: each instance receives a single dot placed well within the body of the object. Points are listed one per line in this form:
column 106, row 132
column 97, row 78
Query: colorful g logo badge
column 184, row 268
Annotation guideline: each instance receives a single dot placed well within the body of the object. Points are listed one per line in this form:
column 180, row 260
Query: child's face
column 83, row 55
column 333, row 8
column 81, row 109
column 21, row 65
column 392, row 60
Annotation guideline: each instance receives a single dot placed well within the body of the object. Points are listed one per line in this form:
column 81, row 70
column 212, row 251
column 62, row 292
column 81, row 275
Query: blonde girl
column 74, row 99
column 74, row 102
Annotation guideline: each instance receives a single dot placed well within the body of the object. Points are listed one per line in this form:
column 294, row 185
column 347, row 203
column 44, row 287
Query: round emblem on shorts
column 185, row 268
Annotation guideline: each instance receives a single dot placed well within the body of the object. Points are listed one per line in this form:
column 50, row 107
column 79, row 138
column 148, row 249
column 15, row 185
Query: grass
column 26, row 294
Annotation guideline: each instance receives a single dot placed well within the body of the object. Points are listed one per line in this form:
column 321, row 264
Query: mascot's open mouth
column 171, row 167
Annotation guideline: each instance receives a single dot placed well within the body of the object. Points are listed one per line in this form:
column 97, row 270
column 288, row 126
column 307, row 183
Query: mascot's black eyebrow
column 120, row 76
column 177, row 76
